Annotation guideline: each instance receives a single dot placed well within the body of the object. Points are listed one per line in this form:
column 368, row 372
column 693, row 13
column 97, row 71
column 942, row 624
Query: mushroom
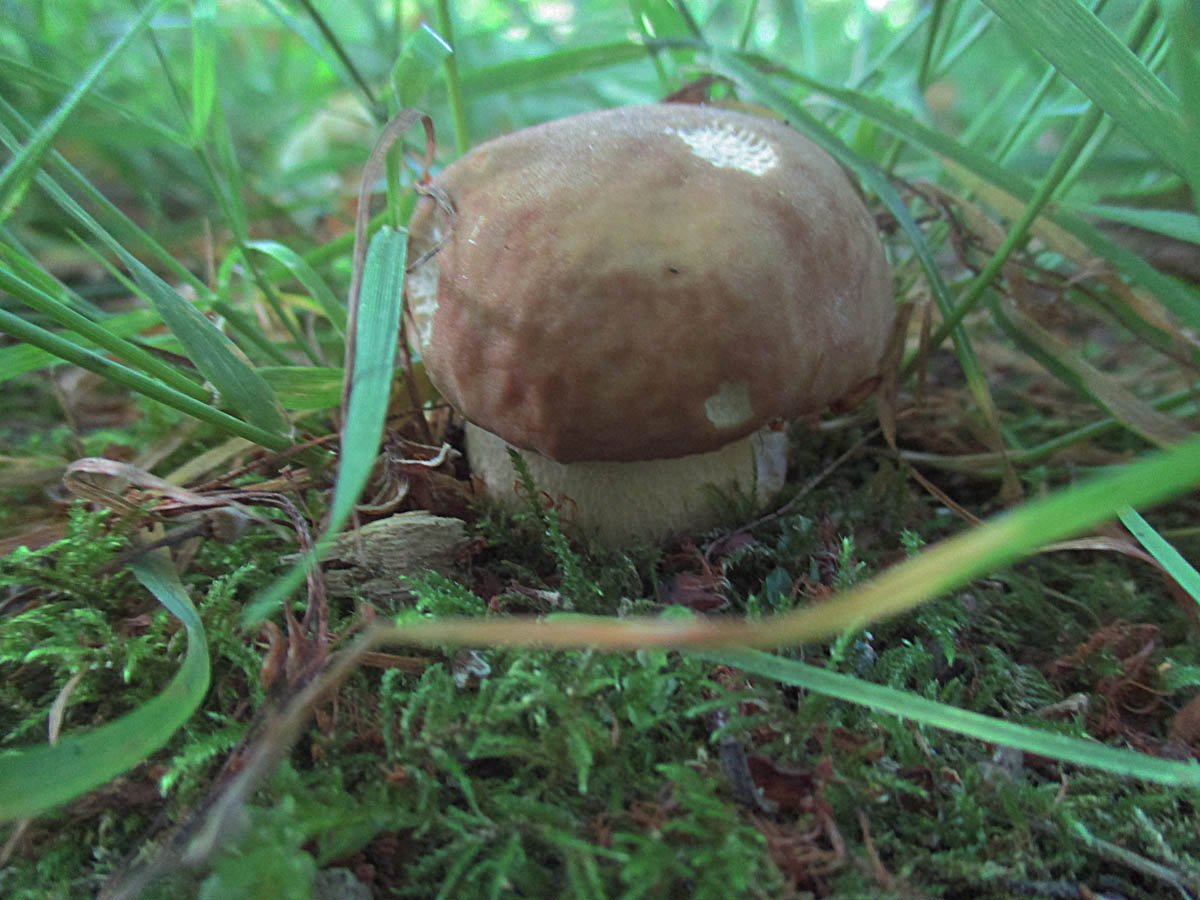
column 638, row 298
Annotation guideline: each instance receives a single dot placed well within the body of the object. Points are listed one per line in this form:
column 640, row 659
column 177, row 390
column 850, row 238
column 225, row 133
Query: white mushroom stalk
column 634, row 297
column 622, row 503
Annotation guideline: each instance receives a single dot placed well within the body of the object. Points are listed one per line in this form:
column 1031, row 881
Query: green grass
column 945, row 710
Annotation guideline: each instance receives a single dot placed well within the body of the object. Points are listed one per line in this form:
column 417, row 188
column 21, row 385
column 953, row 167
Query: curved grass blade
column 35, row 780
column 1127, row 763
column 307, row 276
column 99, row 334
column 942, row 567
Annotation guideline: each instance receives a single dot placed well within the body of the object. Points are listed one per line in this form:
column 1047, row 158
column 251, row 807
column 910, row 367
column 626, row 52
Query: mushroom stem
column 628, row 502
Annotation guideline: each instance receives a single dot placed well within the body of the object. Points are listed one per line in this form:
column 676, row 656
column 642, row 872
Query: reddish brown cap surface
column 646, row 282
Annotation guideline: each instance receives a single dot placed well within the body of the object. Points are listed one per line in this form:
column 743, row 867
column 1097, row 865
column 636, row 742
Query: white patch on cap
column 729, row 147
column 730, row 406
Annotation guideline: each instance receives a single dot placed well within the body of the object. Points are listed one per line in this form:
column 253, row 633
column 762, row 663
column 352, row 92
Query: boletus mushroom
column 636, row 299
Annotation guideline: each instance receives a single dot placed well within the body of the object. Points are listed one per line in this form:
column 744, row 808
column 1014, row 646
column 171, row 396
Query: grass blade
column 519, row 74
column 1184, row 18
column 375, row 348
column 1010, row 194
column 454, row 91
column 101, row 335
column 19, row 171
column 305, row 388
column 1057, row 357
column 1182, row 226
column 213, row 353
column 69, row 351
column 307, row 276
column 136, row 126
column 204, row 66
column 424, row 53
column 1089, row 55
column 133, row 234
column 938, row 569
column 1167, row 556
column 37, row 779
column 905, row 704
column 376, row 331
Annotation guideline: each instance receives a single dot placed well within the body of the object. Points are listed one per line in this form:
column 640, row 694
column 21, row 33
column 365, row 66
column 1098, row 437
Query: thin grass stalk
column 344, row 58
column 935, row 24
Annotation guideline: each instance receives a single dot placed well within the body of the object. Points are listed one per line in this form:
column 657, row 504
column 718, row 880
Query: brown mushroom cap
column 646, row 282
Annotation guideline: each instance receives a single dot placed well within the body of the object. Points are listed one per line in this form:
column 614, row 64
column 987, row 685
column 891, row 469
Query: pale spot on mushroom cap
column 729, row 147
column 730, row 406
column 475, row 229
column 421, row 291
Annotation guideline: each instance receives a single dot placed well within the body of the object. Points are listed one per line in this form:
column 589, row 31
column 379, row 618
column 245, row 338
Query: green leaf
column 371, row 381
column 1088, row 54
column 40, row 778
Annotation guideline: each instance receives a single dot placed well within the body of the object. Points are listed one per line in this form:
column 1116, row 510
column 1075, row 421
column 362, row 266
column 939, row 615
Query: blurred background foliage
column 295, row 113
